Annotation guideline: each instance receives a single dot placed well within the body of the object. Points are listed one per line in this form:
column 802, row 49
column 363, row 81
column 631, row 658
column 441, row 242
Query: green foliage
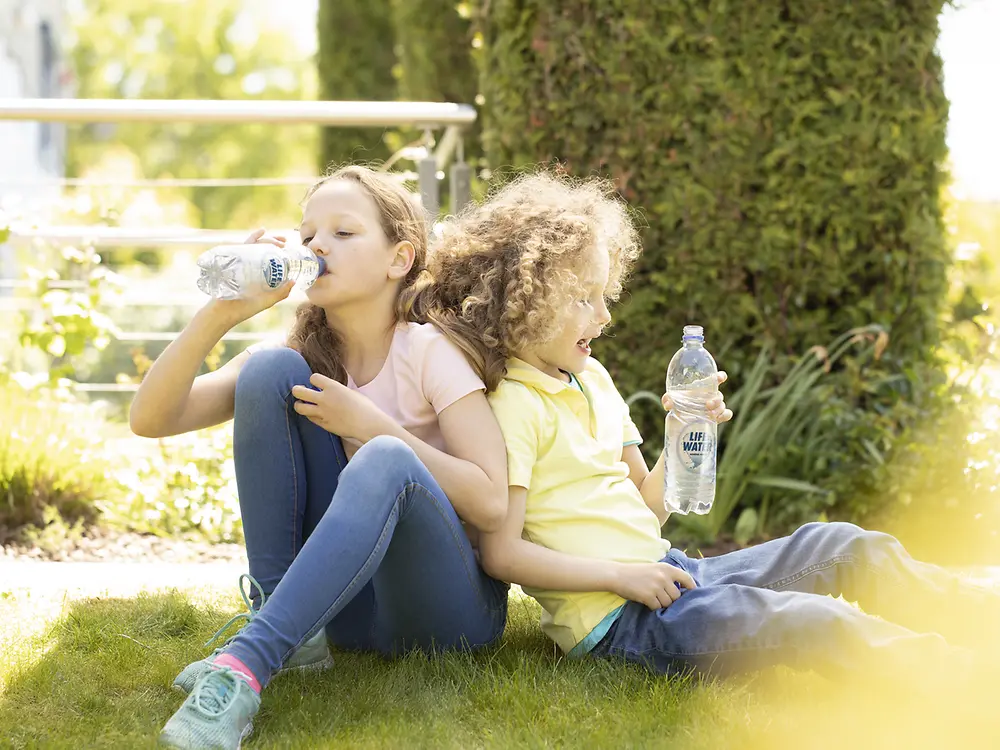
column 788, row 160
column 766, row 420
column 69, row 321
column 49, row 459
column 63, row 466
column 198, row 49
column 434, row 39
column 356, row 60
column 183, row 486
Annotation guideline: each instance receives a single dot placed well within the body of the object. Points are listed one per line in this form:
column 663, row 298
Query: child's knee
column 384, row 461
column 271, row 371
column 385, row 451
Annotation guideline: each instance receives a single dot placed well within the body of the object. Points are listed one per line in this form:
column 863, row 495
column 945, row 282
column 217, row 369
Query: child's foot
column 314, row 654
column 217, row 714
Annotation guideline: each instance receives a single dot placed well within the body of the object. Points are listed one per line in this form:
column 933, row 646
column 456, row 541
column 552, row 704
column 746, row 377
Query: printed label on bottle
column 695, row 446
column 274, row 273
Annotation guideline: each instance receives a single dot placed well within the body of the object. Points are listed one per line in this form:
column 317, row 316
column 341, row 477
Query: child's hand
column 338, row 410
column 235, row 311
column 716, row 405
column 652, row 584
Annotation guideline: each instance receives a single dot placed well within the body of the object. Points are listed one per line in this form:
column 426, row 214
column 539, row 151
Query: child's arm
column 650, row 483
column 508, row 557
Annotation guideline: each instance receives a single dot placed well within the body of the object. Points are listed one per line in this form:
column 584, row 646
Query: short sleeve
column 446, row 375
column 630, row 433
column 519, row 422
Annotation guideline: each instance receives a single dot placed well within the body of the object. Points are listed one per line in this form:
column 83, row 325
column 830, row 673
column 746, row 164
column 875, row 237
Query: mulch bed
column 105, row 545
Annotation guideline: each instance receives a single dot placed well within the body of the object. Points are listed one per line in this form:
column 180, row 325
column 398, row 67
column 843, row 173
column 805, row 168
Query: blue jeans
column 766, row 606
column 370, row 549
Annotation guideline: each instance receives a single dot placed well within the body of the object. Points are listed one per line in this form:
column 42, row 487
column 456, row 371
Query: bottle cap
column 322, row 266
column 693, row 333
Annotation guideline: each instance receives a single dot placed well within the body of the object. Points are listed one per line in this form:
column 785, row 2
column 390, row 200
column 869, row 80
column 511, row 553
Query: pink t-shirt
column 423, row 375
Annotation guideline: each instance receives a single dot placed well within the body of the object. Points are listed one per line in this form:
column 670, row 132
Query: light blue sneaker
column 314, row 654
column 216, row 716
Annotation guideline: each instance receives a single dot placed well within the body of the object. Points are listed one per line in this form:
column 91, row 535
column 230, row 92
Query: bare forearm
column 652, row 491
column 160, row 400
column 529, row 564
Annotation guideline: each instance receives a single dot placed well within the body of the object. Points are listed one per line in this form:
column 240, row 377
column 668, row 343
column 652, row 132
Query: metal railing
column 430, row 166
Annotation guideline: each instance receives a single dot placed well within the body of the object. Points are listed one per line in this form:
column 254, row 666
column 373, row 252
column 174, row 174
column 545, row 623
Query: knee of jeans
column 385, row 451
column 271, row 372
column 856, row 540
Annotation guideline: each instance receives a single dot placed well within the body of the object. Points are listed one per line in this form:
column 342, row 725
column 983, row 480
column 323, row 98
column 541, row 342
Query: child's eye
column 345, row 233
column 584, row 302
column 306, row 240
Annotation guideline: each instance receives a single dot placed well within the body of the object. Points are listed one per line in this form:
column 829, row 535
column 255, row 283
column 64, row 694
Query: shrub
column 179, row 486
column 434, row 39
column 355, row 58
column 788, row 160
column 49, row 459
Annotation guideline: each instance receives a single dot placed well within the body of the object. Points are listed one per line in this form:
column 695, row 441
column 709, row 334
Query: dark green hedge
column 787, row 158
column 355, row 61
column 434, row 45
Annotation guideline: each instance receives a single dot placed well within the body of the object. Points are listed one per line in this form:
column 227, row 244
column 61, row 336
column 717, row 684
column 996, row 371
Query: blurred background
column 819, row 186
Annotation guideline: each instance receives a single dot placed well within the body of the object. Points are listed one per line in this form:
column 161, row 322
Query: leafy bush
column 356, row 59
column 788, row 160
column 434, row 45
column 49, row 457
column 180, row 486
column 62, row 466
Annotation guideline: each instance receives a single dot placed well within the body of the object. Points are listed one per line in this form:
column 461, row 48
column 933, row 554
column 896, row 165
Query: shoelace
column 215, row 692
column 248, row 615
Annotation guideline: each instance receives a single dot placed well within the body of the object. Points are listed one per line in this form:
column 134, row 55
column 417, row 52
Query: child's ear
column 402, row 261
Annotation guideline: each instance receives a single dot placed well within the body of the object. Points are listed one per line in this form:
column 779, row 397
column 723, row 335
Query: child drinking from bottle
column 532, row 271
column 365, row 450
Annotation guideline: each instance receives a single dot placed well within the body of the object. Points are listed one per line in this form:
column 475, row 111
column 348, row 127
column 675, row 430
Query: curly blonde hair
column 502, row 271
column 402, row 218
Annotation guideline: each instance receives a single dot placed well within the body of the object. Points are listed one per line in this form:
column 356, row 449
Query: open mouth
column 583, row 345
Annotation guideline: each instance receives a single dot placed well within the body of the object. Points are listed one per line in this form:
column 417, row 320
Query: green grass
column 97, row 676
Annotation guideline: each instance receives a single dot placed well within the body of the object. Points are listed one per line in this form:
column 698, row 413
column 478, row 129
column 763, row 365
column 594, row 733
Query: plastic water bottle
column 234, row 271
column 689, row 446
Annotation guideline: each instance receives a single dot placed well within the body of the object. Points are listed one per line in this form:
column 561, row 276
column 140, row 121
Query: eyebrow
column 351, row 216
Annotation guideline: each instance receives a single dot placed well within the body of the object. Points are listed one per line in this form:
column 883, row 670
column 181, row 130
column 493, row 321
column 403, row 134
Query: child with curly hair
column 532, row 270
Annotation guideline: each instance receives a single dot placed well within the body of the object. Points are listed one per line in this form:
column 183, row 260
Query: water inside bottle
column 690, row 447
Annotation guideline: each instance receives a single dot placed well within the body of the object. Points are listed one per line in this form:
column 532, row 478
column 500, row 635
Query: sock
column 227, row 660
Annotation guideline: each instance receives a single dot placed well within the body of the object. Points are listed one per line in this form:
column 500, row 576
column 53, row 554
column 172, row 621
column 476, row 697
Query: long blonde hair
column 402, row 220
column 503, row 271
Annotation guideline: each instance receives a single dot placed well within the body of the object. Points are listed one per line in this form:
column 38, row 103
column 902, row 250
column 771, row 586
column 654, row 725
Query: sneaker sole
column 244, row 734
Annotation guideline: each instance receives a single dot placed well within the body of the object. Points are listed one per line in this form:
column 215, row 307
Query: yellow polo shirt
column 564, row 445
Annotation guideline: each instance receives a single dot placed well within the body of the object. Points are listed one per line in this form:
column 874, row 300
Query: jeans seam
column 325, row 618
column 454, row 534
column 783, row 583
column 296, row 530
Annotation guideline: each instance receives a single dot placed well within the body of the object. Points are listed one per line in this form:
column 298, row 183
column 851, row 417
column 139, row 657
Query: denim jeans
column 767, row 605
column 370, row 549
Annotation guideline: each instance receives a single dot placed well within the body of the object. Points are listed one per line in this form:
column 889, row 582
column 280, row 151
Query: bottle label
column 695, row 446
column 274, row 273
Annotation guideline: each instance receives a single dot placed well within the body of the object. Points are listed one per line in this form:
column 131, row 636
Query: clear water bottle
column 235, row 271
column 689, row 445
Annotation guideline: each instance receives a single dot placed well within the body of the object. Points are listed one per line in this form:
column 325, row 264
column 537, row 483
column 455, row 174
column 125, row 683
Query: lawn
column 94, row 673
